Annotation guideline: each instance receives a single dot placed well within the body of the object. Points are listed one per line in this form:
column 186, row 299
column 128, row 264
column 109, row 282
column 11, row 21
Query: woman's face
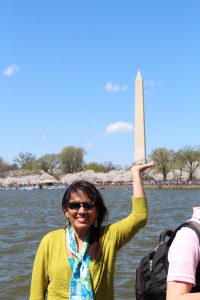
column 80, row 218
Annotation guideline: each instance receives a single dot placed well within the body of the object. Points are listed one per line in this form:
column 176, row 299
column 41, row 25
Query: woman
column 184, row 258
column 78, row 262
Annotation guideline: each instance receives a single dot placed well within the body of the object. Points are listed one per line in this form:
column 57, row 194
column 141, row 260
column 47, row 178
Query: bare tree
column 189, row 159
column 50, row 163
column 5, row 167
column 25, row 160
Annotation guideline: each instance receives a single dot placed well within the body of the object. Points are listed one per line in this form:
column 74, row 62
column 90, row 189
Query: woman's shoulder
column 54, row 234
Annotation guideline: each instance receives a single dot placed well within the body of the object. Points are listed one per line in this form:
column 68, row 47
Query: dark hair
column 92, row 193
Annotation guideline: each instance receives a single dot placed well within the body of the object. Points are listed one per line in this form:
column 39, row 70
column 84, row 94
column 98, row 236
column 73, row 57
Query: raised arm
column 125, row 230
column 136, row 171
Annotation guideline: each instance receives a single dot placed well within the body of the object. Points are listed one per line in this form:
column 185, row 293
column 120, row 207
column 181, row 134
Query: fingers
column 143, row 167
column 150, row 164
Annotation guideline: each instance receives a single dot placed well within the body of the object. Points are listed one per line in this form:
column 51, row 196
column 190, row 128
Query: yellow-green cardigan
column 52, row 271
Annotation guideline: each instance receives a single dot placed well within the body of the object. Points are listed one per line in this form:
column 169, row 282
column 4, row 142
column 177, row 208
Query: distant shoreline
column 109, row 187
column 158, row 187
column 173, row 187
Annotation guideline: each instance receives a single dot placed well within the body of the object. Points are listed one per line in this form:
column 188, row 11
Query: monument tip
column 139, row 76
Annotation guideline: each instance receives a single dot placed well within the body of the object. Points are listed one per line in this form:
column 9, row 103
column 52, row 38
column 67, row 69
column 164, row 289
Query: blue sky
column 68, row 68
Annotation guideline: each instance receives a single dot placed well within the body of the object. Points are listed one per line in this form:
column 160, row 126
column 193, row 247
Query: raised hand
column 138, row 190
column 143, row 167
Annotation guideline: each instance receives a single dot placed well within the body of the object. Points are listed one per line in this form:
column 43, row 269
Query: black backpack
column 151, row 273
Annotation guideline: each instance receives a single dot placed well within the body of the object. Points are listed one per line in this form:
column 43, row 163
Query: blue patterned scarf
column 80, row 284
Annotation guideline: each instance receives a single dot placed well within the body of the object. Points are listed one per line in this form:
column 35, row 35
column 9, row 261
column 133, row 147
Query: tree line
column 186, row 159
column 71, row 160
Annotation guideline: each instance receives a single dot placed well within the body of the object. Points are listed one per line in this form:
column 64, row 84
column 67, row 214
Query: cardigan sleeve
column 124, row 230
column 39, row 280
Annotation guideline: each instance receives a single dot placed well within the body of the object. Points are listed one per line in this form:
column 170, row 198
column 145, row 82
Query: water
column 25, row 216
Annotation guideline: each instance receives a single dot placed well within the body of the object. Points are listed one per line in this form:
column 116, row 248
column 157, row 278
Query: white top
column 184, row 253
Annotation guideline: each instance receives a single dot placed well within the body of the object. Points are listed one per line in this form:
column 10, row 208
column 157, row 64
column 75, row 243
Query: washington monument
column 140, row 144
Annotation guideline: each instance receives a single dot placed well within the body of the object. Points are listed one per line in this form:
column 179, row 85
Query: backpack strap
column 163, row 235
column 170, row 240
column 195, row 227
column 190, row 224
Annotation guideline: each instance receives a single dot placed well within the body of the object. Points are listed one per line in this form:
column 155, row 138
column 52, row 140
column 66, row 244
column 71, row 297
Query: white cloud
column 11, row 70
column 110, row 87
column 44, row 137
column 89, row 145
column 119, row 127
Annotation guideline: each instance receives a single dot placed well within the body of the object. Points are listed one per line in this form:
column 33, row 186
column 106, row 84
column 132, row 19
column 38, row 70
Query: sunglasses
column 86, row 205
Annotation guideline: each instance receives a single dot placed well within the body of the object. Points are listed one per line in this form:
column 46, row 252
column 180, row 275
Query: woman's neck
column 80, row 234
column 79, row 237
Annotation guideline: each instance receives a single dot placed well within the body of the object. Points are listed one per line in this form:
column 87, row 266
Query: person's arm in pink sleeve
column 183, row 260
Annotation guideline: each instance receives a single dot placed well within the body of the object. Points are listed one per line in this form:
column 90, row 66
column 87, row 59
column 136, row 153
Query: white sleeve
column 183, row 256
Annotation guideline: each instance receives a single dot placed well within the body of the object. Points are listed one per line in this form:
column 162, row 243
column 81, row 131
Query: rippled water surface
column 25, row 216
